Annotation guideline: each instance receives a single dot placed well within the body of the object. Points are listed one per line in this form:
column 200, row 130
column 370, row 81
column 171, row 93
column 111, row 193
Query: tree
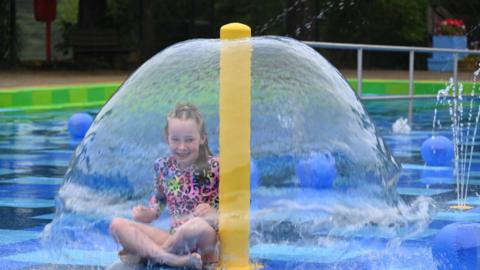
column 300, row 19
column 389, row 22
column 394, row 22
column 92, row 14
column 8, row 29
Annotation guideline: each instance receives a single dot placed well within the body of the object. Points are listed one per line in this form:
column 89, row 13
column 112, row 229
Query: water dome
column 300, row 106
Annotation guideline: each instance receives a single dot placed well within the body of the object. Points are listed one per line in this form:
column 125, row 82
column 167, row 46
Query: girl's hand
column 208, row 213
column 144, row 214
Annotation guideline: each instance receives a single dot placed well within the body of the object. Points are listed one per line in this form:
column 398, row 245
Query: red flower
column 450, row 27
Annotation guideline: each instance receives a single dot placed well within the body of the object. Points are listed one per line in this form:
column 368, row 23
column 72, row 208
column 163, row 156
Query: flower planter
column 444, row 61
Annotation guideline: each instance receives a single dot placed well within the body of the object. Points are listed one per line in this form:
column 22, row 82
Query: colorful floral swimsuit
column 182, row 190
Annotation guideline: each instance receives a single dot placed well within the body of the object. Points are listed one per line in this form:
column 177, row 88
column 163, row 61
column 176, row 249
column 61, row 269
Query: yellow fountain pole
column 234, row 190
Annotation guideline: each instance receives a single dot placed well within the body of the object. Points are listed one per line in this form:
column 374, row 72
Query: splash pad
column 300, row 106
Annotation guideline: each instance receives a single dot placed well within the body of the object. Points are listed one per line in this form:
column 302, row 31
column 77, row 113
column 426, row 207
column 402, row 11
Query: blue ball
column 457, row 246
column 318, row 171
column 254, row 175
column 437, row 151
column 78, row 124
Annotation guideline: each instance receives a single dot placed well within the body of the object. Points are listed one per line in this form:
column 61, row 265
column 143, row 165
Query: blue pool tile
column 28, row 191
column 43, row 162
column 468, row 201
column 67, row 257
column 26, row 203
column 14, row 218
column 410, row 183
column 474, row 210
column 23, row 247
column 314, row 254
column 369, row 233
column 273, row 265
column 22, row 146
column 437, row 181
column 4, row 171
column 458, row 216
column 57, row 154
column 423, row 167
column 425, row 234
column 34, row 180
column 47, row 216
column 14, row 236
column 413, row 135
column 18, row 157
column 439, row 224
column 474, row 181
column 13, row 265
column 475, row 173
column 421, row 191
column 38, row 228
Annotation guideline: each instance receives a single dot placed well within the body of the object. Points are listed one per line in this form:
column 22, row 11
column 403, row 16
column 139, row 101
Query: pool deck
column 25, row 78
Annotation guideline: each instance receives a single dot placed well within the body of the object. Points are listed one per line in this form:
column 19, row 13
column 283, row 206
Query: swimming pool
column 35, row 150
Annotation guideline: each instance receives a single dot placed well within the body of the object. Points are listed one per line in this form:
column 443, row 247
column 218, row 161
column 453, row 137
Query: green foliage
column 387, row 22
column 366, row 21
column 118, row 14
column 375, row 22
column 171, row 20
column 67, row 17
column 155, row 24
column 459, row 8
column 227, row 11
column 4, row 30
column 67, row 11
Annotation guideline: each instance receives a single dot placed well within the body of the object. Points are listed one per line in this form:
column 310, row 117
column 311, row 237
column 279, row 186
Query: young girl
column 187, row 181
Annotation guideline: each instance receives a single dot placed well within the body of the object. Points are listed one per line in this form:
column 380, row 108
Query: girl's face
column 184, row 139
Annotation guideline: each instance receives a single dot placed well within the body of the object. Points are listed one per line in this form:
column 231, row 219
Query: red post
column 45, row 11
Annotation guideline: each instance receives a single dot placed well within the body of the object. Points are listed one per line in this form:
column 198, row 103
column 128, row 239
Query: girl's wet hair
column 185, row 111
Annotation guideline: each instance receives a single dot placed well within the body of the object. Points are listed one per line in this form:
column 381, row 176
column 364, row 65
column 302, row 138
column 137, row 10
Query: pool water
column 35, row 150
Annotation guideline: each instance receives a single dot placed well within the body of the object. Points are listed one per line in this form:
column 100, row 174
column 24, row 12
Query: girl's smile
column 184, row 140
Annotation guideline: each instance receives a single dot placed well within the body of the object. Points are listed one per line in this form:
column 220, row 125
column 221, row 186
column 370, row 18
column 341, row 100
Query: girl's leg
column 195, row 235
column 118, row 225
column 135, row 238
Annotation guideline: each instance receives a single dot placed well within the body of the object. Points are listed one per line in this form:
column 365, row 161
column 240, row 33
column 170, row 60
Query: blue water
column 35, row 150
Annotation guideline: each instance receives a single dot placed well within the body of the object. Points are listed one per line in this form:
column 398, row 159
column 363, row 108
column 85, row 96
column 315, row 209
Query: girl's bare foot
column 195, row 261
column 129, row 258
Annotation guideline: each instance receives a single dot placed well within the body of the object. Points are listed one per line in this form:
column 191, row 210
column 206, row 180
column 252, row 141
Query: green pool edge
column 57, row 97
column 95, row 95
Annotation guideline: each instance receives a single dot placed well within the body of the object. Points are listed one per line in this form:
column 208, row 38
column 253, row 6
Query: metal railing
column 411, row 53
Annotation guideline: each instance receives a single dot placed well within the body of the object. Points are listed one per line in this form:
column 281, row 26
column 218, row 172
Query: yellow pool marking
column 234, row 190
column 461, row 207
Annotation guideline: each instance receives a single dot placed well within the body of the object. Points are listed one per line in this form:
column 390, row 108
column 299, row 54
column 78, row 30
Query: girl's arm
column 157, row 200
column 144, row 214
column 208, row 211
